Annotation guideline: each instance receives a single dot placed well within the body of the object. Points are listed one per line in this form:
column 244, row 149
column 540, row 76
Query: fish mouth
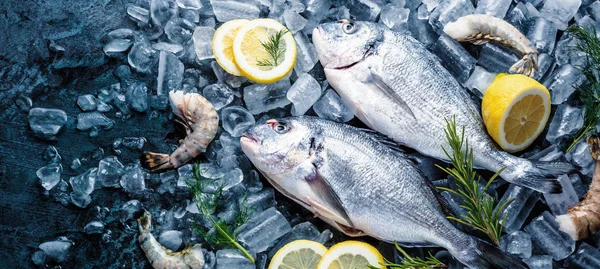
column 250, row 144
column 249, row 138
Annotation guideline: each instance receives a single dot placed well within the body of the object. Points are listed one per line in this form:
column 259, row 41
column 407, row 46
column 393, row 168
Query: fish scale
column 358, row 184
column 400, row 89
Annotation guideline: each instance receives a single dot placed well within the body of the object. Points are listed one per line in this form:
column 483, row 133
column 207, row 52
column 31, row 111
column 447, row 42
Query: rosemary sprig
column 589, row 91
column 413, row 262
column 483, row 213
column 274, row 49
column 224, row 234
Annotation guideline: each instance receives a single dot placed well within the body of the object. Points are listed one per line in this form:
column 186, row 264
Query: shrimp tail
column 156, row 162
column 144, row 222
column 583, row 219
column 526, row 66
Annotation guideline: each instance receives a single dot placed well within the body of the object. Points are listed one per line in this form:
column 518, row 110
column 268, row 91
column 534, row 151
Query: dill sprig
column 589, row 91
column 413, row 262
column 223, row 234
column 274, row 49
column 483, row 213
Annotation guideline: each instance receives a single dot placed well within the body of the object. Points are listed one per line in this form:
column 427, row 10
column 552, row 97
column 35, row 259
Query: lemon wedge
column 351, row 255
column 515, row 110
column 254, row 60
column 299, row 254
column 222, row 45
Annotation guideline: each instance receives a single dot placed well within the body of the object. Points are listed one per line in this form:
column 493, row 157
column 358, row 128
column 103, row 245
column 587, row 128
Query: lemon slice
column 515, row 110
column 222, row 45
column 299, row 254
column 351, row 255
column 253, row 59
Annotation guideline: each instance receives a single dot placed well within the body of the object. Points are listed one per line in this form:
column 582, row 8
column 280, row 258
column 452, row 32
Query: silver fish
column 397, row 87
column 360, row 186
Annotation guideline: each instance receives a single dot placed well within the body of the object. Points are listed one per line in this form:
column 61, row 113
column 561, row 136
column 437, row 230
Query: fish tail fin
column 156, row 162
column 539, row 176
column 481, row 254
column 526, row 66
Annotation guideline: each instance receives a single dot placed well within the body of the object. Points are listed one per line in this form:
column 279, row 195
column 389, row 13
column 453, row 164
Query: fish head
column 277, row 145
column 343, row 44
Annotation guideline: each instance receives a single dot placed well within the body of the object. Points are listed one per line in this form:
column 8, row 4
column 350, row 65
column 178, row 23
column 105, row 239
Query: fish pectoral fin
column 327, row 203
column 349, row 231
column 388, row 91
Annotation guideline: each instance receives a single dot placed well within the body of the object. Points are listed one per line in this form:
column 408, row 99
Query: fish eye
column 348, row 27
column 280, row 128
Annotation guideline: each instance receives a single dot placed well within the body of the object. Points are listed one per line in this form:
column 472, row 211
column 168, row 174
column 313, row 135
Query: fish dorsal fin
column 328, row 203
column 383, row 139
column 390, row 93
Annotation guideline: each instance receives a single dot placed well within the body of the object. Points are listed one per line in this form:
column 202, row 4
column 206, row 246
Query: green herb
column 223, row 234
column 274, row 49
column 589, row 91
column 413, row 262
column 483, row 214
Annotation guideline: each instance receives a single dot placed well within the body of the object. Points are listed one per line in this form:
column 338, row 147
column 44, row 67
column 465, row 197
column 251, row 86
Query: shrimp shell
column 201, row 122
column 161, row 258
column 583, row 219
column 480, row 29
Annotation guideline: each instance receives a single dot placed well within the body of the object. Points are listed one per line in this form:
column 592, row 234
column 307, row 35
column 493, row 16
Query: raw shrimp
column 161, row 258
column 480, row 29
column 200, row 120
column 583, row 219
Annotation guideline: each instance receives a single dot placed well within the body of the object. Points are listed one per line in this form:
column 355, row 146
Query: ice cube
column 496, row 8
column 137, row 96
column 130, row 211
column 179, row 30
column 259, row 201
column 306, row 54
column 454, row 57
column 85, row 182
column 252, row 181
column 294, row 21
column 330, row 106
column 365, row 10
column 479, row 81
column 186, row 174
column 580, row 188
column 133, row 180
column 559, row 203
column 170, row 73
column 562, row 83
column 263, row 230
column 421, row 29
column 261, row 98
column 203, row 42
column 302, row 231
column 449, row 11
column 176, row 49
column 89, row 120
column 496, row 59
column 171, row 239
column 138, row 14
column 566, row 122
column 232, row 258
column 539, row 262
column 324, row 237
column 585, row 257
column 39, row 257
column 110, row 171
column 162, row 11
column 236, row 120
column 115, row 47
column 518, row 17
column 566, row 52
column 315, row 12
column 518, row 210
column 46, row 122
column 431, row 4
column 160, row 102
column 133, row 142
column 580, row 155
column 560, row 11
column 549, row 154
column 226, row 10
column 336, row 14
column 545, row 234
column 189, row 4
column 49, row 175
column 142, row 57
column 232, row 179
column 56, row 250
column 80, row 199
column 224, row 77
column 517, row 243
column 545, row 63
column 395, row 17
column 303, row 94
column 94, row 227
column 542, row 33
column 219, row 95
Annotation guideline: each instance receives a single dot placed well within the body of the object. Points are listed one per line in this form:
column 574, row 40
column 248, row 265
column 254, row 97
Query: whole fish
column 397, row 87
column 360, row 186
